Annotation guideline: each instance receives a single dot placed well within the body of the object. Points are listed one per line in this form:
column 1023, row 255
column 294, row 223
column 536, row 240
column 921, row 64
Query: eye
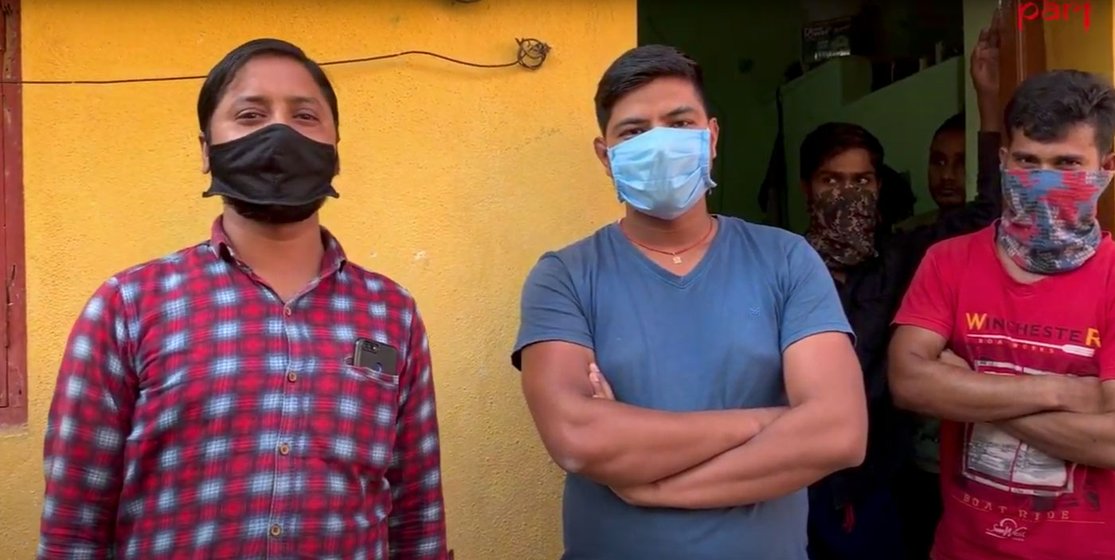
column 631, row 132
column 249, row 115
column 682, row 124
column 306, row 116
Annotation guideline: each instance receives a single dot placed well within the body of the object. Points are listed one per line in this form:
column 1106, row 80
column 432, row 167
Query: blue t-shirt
column 710, row 340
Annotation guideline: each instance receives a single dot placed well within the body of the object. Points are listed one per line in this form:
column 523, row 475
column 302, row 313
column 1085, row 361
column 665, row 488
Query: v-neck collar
column 681, row 282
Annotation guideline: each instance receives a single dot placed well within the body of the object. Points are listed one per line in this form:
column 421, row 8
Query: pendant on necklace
column 677, row 259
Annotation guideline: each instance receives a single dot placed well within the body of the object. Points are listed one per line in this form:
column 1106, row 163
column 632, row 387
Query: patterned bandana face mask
column 842, row 225
column 1049, row 218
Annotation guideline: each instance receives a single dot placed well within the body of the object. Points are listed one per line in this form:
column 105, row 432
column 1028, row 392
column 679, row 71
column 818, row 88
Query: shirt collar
column 333, row 260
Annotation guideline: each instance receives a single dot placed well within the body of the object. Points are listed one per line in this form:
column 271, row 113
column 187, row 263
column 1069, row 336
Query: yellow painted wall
column 1068, row 45
column 454, row 181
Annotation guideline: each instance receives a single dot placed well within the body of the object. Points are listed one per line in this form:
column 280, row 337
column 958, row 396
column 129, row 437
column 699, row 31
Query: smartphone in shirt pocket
column 377, row 357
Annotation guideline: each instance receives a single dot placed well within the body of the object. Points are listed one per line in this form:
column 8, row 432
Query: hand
column 984, row 69
column 600, row 387
column 1081, row 394
column 947, row 357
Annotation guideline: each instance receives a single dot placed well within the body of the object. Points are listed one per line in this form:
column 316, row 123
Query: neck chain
column 674, row 255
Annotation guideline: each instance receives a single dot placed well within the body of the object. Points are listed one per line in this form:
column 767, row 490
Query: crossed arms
column 707, row 459
column 1069, row 417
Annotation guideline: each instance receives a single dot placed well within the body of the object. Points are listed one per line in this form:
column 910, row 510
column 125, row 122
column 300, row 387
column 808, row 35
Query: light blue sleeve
column 812, row 305
column 550, row 309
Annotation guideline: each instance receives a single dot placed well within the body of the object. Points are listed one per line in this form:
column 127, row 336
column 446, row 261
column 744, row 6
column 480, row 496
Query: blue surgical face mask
column 663, row 172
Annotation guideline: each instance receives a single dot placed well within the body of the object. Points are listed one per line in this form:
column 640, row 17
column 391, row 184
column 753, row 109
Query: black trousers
column 919, row 506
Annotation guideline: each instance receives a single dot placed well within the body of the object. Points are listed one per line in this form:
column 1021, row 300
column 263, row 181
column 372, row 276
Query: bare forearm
column 796, row 450
column 940, row 390
column 1088, row 439
column 623, row 445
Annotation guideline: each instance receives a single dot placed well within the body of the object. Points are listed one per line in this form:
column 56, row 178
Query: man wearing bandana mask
column 692, row 373
column 839, row 163
column 256, row 394
column 1004, row 336
column 886, row 508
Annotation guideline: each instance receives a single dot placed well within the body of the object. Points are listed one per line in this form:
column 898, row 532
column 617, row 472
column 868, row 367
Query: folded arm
column 614, row 443
column 824, row 430
column 922, row 383
column 1083, row 438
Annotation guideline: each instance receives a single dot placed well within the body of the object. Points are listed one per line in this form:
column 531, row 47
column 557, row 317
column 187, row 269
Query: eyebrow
column 294, row 99
column 845, row 173
column 683, row 110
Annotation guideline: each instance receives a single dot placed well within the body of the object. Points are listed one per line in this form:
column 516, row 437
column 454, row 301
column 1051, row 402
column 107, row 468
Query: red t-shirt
column 1004, row 500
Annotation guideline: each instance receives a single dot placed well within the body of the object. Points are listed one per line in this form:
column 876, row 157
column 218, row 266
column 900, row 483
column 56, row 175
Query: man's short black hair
column 1046, row 105
column 637, row 68
column 955, row 123
column 832, row 139
column 225, row 71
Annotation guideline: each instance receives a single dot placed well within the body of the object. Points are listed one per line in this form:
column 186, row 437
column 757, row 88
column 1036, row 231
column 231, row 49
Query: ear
column 601, row 149
column 1108, row 162
column 1004, row 156
column 204, row 153
column 714, row 136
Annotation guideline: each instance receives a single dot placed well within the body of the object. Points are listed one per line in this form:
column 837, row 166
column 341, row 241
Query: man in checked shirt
column 212, row 403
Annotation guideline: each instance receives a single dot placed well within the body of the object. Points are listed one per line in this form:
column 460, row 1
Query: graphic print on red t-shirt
column 1004, row 499
column 998, row 346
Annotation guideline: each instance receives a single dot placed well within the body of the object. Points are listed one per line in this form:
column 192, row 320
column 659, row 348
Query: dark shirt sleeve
column 550, row 309
column 90, row 418
column 812, row 305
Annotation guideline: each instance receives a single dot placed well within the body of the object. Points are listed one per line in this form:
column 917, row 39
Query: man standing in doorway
column 946, row 172
column 1000, row 336
column 692, row 373
column 258, row 394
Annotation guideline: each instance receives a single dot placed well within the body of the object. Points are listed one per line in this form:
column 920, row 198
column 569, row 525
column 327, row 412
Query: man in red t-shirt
column 1000, row 336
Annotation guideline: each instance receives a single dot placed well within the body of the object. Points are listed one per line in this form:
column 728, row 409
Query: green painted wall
column 745, row 52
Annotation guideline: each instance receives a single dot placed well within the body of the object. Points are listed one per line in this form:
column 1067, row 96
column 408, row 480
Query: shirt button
column 284, row 449
column 291, row 376
column 276, row 530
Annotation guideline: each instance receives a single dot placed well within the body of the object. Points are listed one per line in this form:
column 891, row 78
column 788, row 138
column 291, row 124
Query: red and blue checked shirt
column 198, row 416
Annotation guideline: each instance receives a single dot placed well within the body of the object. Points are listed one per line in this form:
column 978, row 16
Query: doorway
column 773, row 73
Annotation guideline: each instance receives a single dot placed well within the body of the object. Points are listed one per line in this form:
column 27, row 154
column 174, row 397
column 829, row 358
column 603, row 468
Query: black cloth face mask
column 275, row 166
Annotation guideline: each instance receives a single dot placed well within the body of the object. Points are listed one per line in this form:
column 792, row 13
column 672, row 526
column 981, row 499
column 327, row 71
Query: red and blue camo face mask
column 1049, row 220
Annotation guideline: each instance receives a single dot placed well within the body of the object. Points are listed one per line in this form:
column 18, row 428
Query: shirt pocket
column 354, row 417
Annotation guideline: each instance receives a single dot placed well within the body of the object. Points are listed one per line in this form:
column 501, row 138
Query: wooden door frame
column 13, row 322
column 1021, row 51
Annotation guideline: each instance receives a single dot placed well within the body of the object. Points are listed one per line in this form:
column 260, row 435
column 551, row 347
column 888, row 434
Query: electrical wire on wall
column 531, row 55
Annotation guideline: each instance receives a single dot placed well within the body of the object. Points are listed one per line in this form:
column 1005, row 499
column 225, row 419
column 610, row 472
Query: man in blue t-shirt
column 692, row 373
